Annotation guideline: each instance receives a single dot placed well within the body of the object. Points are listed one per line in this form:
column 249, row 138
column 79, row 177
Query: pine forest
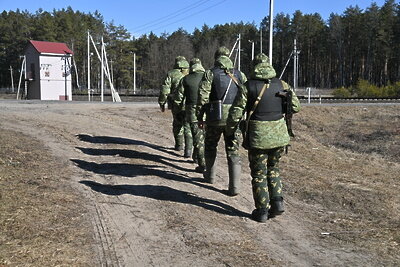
column 357, row 46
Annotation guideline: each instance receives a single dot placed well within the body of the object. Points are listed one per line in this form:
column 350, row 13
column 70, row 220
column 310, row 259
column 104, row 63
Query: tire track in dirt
column 109, row 255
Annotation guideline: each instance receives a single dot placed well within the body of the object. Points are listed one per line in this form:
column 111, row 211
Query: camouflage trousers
column 266, row 180
column 181, row 131
column 232, row 143
column 198, row 144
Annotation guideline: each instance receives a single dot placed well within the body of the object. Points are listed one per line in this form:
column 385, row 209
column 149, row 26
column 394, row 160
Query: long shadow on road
column 134, row 170
column 164, row 193
column 157, row 169
column 122, row 141
column 126, row 153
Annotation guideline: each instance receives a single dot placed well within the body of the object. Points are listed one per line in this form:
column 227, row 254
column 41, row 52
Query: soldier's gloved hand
column 162, row 107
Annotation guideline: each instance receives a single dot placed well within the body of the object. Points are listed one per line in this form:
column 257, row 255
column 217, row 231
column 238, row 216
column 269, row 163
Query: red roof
column 51, row 47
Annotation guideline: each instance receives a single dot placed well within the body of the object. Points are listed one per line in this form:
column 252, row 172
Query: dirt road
column 149, row 208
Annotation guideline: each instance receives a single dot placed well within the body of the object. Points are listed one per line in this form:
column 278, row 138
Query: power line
column 188, row 16
column 170, row 16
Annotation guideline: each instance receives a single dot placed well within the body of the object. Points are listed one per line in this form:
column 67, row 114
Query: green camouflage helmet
column 222, row 51
column 181, row 63
column 261, row 58
column 195, row 60
column 224, row 62
column 195, row 65
column 262, row 69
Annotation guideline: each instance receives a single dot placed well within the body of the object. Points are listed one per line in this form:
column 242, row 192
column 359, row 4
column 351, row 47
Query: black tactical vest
column 270, row 106
column 220, row 83
column 191, row 83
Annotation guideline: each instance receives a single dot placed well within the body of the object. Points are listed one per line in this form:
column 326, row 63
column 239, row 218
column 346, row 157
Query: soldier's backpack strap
column 245, row 133
column 233, row 78
column 229, row 85
column 264, row 88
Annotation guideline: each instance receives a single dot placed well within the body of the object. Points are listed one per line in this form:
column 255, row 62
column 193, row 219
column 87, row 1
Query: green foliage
column 392, row 90
column 342, row 92
column 366, row 89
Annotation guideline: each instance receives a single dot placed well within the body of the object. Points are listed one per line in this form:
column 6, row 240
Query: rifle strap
column 234, row 79
column 260, row 95
column 227, row 89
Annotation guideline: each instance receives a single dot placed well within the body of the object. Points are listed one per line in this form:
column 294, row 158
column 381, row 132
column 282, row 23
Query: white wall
column 52, row 78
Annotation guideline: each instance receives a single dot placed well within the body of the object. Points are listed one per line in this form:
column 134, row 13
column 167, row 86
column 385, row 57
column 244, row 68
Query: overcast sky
column 143, row 16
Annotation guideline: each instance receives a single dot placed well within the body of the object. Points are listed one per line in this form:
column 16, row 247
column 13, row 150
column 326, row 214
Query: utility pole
column 23, row 71
column 26, row 80
column 134, row 73
column 252, row 49
column 239, row 48
column 105, row 70
column 65, row 78
column 88, row 64
column 112, row 71
column 295, row 65
column 102, row 70
column 271, row 28
column 12, row 79
column 65, row 75
column 73, row 65
column 261, row 40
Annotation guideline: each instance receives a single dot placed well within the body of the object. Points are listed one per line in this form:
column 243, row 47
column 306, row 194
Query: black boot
column 210, row 171
column 199, row 169
column 178, row 147
column 235, row 170
column 276, row 208
column 188, row 153
column 195, row 155
column 260, row 215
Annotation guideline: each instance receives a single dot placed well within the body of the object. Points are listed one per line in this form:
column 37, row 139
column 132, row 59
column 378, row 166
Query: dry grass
column 42, row 223
column 345, row 167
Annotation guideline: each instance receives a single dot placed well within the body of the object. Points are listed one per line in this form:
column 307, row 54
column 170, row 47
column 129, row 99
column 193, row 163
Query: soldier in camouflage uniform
column 180, row 128
column 186, row 97
column 267, row 135
column 220, row 83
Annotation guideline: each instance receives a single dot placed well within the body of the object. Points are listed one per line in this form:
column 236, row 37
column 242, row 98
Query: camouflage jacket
column 262, row 134
column 183, row 89
column 170, row 85
column 205, row 90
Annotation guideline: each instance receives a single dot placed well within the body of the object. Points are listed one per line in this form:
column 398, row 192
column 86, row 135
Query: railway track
column 302, row 98
column 331, row 99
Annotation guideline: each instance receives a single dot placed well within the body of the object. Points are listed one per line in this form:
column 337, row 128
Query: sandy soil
column 147, row 207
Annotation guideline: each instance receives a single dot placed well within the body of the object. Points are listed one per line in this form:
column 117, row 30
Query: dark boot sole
column 262, row 218
column 273, row 214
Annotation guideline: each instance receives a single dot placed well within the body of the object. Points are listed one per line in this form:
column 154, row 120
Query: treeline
column 349, row 47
